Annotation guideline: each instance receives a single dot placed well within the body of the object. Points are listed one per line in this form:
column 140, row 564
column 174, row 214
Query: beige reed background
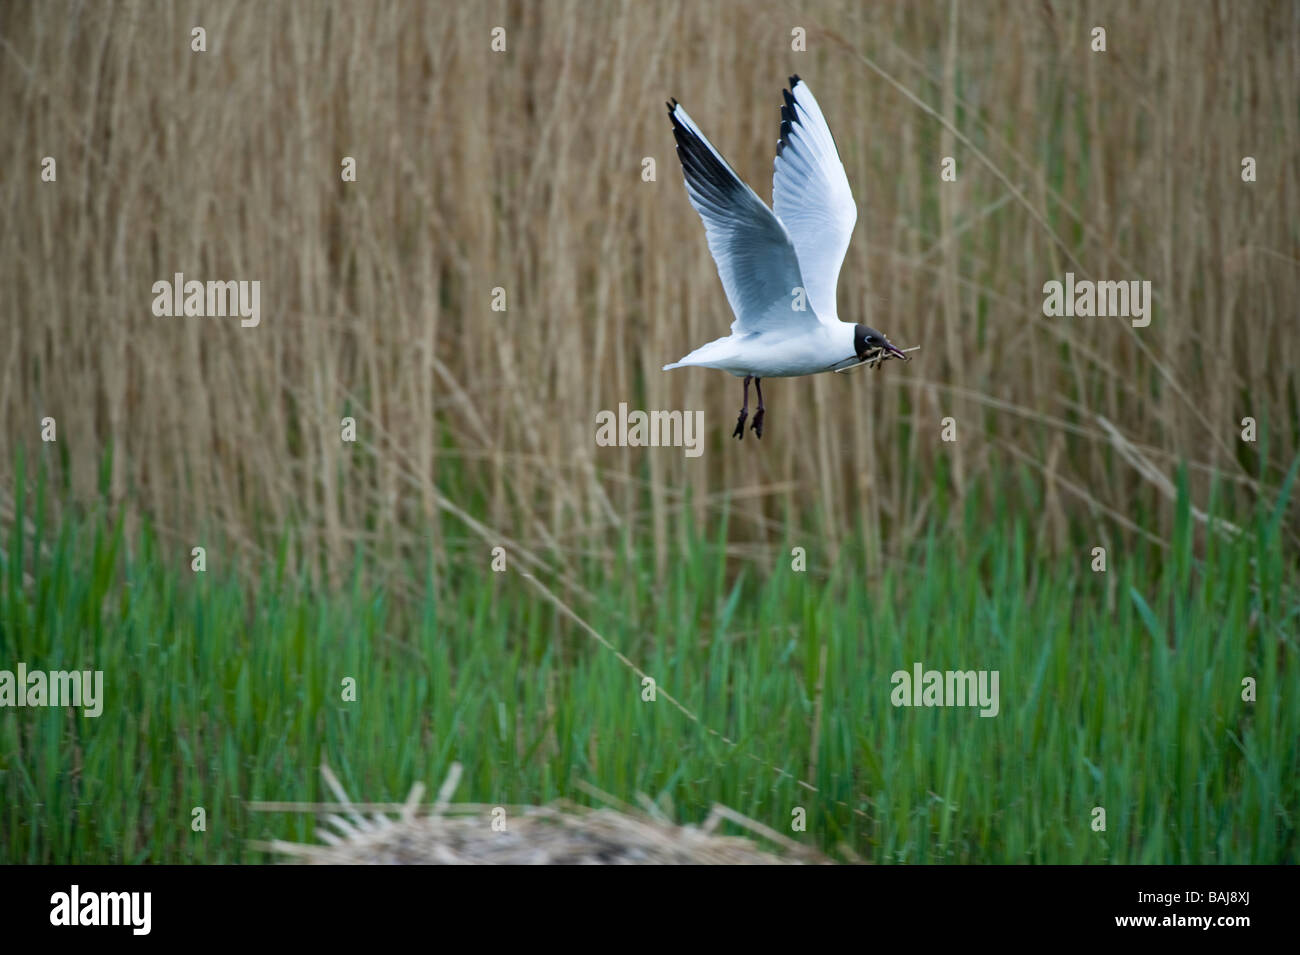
column 523, row 170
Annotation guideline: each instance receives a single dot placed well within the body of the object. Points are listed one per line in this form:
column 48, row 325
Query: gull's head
column 867, row 341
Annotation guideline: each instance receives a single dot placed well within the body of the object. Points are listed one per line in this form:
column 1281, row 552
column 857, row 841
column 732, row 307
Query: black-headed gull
column 778, row 266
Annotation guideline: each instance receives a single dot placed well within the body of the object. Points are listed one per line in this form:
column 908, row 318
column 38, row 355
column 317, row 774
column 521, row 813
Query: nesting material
column 561, row 834
column 874, row 358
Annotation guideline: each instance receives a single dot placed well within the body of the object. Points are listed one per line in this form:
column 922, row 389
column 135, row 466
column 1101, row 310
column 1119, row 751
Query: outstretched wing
column 756, row 260
column 811, row 196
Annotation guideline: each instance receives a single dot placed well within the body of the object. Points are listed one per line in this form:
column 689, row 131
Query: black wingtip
column 672, row 105
column 795, row 81
column 788, row 118
column 705, row 170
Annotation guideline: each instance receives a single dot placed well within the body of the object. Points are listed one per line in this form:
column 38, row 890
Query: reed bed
column 522, row 170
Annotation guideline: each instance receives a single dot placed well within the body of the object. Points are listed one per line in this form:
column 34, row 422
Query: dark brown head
column 867, row 340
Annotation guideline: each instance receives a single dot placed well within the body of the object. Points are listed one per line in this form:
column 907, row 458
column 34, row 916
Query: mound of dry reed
column 563, row 834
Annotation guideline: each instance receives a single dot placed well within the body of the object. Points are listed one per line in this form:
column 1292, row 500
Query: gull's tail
column 706, row 356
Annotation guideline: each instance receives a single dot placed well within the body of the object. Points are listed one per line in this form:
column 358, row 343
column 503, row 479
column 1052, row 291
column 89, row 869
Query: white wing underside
column 811, row 196
column 764, row 256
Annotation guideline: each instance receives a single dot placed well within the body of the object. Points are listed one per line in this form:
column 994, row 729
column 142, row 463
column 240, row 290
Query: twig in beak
column 879, row 355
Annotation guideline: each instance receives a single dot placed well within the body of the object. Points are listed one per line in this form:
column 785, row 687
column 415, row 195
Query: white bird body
column 774, row 355
column 779, row 266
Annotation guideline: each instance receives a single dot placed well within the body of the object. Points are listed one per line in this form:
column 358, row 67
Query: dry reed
column 447, row 833
column 522, row 170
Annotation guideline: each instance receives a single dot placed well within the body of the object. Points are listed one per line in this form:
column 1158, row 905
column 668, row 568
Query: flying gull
column 778, row 266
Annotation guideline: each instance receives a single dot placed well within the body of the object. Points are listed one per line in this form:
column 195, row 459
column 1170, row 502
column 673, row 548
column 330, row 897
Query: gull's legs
column 758, row 415
column 744, row 413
